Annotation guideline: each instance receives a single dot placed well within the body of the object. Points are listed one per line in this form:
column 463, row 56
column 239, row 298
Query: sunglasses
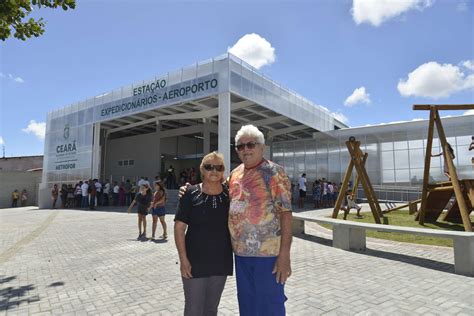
column 250, row 145
column 209, row 167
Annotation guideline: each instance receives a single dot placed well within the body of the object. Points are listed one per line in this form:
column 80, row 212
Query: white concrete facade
column 209, row 100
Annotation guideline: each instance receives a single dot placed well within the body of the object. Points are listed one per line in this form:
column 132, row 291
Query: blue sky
column 367, row 60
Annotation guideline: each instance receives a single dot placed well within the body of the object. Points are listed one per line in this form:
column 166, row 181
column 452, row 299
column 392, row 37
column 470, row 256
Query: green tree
column 13, row 13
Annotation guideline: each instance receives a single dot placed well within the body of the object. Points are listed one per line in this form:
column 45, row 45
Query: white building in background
column 176, row 118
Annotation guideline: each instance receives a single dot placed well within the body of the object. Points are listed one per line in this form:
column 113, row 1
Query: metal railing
column 391, row 194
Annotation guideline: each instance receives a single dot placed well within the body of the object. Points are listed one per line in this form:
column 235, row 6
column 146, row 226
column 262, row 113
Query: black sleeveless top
column 208, row 244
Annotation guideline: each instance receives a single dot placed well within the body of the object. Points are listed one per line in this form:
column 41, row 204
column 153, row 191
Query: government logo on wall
column 66, row 131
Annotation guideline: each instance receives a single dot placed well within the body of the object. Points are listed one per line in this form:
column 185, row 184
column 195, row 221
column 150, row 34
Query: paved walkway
column 72, row 262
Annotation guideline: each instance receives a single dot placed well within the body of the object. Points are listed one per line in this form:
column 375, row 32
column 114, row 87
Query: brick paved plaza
column 79, row 262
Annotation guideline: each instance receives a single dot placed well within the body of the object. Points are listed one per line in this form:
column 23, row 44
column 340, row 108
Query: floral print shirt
column 257, row 197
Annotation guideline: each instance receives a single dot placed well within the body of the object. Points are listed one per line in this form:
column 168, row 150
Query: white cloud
column 254, row 49
column 358, row 96
column 2, row 142
column 462, row 6
column 37, row 128
column 433, row 80
column 469, row 64
column 376, row 12
column 341, row 117
column 469, row 112
column 11, row 77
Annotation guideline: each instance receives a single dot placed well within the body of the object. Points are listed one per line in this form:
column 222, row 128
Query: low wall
column 11, row 180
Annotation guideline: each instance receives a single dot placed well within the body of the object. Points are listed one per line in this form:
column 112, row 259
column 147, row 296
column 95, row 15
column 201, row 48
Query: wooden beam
column 343, row 188
column 454, row 176
column 426, row 173
column 418, row 107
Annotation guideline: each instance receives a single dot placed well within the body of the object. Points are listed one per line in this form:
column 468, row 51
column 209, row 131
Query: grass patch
column 402, row 218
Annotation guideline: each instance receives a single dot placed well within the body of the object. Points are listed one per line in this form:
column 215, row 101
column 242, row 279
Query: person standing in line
column 54, row 194
column 128, row 187
column 70, row 196
column 15, row 198
column 85, row 194
column 325, row 193
column 317, row 194
column 63, row 195
column 302, row 187
column 92, row 195
column 78, row 194
column 115, row 193
column 202, row 239
column 98, row 186
column 158, row 210
column 133, row 191
column 121, row 195
column 106, row 192
column 330, row 193
column 24, row 197
column 143, row 199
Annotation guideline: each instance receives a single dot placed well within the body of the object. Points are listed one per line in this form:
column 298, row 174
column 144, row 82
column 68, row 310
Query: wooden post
column 355, row 152
column 365, row 175
column 343, row 188
column 452, row 173
column 356, row 183
column 426, row 173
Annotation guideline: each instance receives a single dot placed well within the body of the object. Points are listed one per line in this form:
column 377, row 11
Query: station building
column 176, row 118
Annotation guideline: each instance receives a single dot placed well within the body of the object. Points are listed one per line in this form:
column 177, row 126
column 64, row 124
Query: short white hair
column 250, row 131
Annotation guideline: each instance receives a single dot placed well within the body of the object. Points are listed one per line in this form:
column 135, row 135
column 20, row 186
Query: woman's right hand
column 185, row 268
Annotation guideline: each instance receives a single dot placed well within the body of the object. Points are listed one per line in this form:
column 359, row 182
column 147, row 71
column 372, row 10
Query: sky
column 368, row 61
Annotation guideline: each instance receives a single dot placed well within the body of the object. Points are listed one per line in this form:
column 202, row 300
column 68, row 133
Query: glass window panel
column 387, row 160
column 402, row 175
column 464, row 140
column 417, row 158
column 418, row 143
column 400, row 145
column 401, row 159
column 416, row 175
column 388, row 176
column 386, row 146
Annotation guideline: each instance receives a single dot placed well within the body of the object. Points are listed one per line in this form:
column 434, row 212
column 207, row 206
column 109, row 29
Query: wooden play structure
column 358, row 160
column 435, row 197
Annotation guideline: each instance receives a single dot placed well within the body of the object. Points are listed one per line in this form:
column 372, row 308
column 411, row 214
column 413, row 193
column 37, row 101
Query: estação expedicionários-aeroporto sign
column 157, row 94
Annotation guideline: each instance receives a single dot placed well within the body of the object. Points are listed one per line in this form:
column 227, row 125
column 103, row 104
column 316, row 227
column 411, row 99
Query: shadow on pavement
column 13, row 296
column 417, row 261
column 54, row 284
column 7, row 279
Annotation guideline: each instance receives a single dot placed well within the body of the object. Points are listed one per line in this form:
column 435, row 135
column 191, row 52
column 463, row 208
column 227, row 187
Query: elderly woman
column 202, row 239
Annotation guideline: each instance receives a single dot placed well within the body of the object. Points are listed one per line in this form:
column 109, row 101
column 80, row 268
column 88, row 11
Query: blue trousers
column 257, row 290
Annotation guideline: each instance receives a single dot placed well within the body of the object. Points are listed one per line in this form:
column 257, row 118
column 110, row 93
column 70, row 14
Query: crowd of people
column 187, row 175
column 324, row 192
column 93, row 193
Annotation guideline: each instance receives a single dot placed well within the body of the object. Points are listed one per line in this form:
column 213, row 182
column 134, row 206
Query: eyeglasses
column 250, row 145
column 209, row 167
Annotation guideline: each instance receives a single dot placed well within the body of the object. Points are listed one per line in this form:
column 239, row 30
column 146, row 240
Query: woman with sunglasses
column 202, row 238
